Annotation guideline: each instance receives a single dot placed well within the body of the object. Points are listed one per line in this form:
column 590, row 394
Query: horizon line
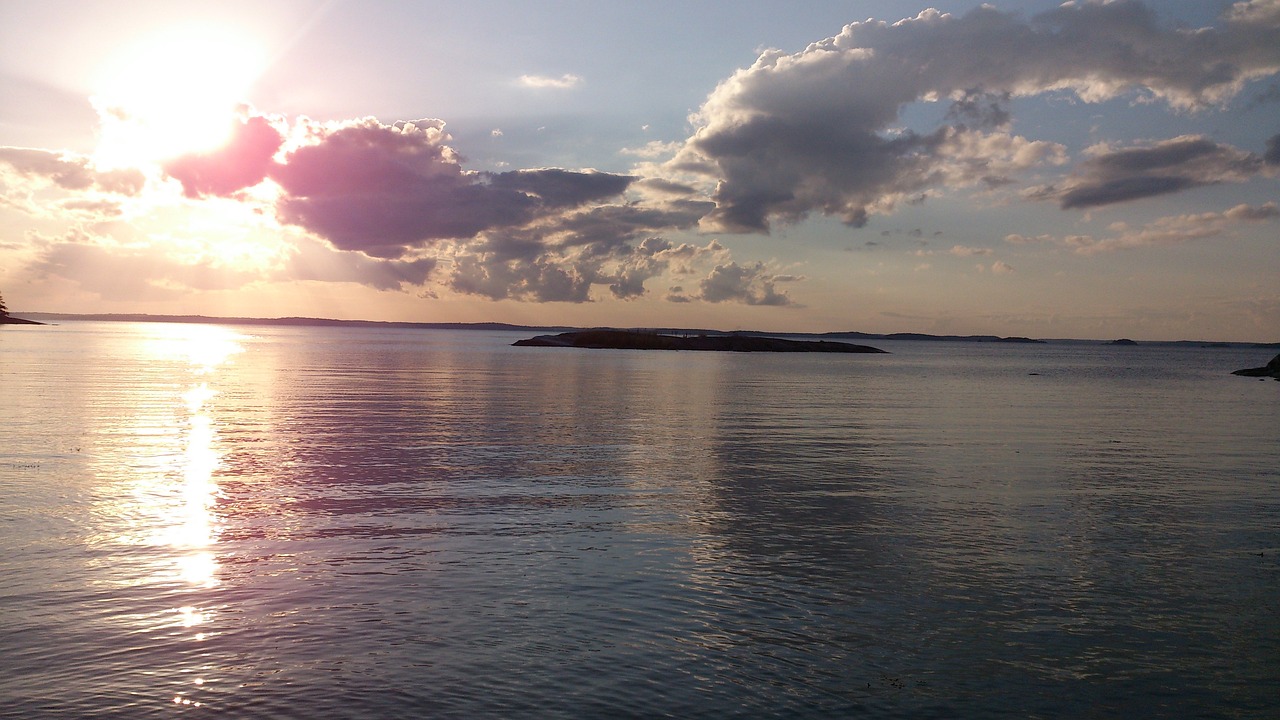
column 495, row 325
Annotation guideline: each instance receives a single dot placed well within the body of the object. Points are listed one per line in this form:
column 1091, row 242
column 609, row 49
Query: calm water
column 304, row 522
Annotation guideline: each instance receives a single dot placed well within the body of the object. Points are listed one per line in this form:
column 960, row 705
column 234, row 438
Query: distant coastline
column 849, row 335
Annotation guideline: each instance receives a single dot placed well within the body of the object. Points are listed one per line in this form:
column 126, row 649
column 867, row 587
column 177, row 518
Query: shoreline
column 839, row 335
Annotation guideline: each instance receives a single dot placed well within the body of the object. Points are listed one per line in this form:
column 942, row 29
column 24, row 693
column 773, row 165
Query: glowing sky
column 1085, row 169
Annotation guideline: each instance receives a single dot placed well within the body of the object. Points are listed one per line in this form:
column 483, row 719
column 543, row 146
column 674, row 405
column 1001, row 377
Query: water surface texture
column 330, row 522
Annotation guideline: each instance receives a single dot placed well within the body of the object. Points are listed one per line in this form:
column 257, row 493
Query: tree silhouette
column 4, row 311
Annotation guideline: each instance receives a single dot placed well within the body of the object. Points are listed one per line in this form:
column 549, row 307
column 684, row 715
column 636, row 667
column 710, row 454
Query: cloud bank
column 69, row 171
column 1112, row 176
column 813, row 131
column 819, row 131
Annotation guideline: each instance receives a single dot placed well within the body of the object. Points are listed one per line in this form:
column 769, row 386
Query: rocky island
column 638, row 340
column 1271, row 370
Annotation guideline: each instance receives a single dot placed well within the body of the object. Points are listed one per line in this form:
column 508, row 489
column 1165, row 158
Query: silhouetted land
column 11, row 320
column 638, row 340
column 495, row 326
column 1271, row 370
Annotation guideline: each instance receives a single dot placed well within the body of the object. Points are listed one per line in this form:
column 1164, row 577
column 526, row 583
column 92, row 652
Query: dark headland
column 1271, row 370
column 639, row 340
column 10, row 320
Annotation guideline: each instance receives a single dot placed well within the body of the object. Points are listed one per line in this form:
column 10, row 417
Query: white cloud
column 564, row 82
column 653, row 149
column 963, row 251
column 813, row 131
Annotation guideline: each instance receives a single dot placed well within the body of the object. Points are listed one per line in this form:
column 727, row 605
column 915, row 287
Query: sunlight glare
column 173, row 94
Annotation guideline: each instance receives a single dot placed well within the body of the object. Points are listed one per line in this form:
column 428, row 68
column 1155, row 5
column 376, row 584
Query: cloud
column 382, row 195
column 1250, row 213
column 564, row 82
column 653, row 149
column 98, row 209
column 315, row 261
column 1000, row 267
column 812, row 131
column 1114, row 176
column 132, row 273
column 1016, row 239
column 1256, row 12
column 383, row 189
column 70, row 171
column 963, row 251
column 1172, row 230
column 1272, row 155
column 749, row 284
column 531, row 266
column 557, row 188
column 243, row 162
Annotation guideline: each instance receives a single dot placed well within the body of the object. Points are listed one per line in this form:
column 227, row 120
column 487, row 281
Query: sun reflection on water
column 160, row 494
column 197, row 530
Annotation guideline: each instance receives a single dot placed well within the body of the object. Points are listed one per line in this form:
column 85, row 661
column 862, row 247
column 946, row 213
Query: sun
column 172, row 94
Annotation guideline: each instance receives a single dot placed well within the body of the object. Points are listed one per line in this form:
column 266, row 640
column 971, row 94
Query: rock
column 1271, row 370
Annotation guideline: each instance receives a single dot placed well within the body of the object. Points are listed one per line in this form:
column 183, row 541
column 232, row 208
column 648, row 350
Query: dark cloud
column 384, row 189
column 609, row 225
column 1166, row 167
column 811, row 131
column 561, row 188
column 242, row 163
column 70, row 171
column 981, row 109
column 1272, row 154
column 1106, row 192
column 518, row 268
column 378, row 193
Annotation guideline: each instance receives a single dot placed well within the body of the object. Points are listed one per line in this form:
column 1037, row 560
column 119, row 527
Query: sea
column 254, row 521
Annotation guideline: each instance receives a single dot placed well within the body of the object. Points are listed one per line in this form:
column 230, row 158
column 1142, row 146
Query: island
column 1271, row 370
column 641, row 340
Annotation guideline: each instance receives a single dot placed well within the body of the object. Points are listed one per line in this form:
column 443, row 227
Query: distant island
column 641, row 340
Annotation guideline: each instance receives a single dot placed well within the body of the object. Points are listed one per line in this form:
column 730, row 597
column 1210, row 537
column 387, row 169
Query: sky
column 1086, row 169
